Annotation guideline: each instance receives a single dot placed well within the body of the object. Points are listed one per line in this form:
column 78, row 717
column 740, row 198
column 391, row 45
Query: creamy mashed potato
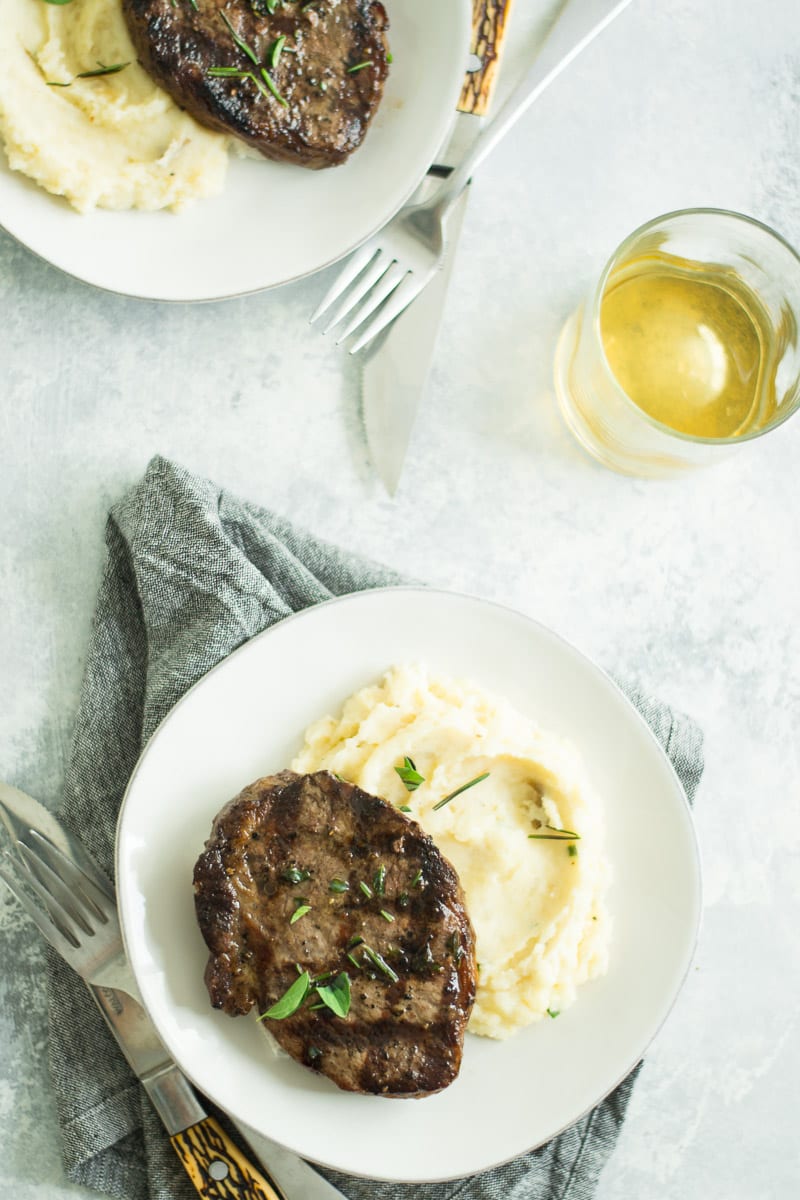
column 538, row 910
column 115, row 141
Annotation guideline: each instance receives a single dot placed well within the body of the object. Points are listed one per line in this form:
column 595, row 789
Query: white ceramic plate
column 274, row 222
column 245, row 719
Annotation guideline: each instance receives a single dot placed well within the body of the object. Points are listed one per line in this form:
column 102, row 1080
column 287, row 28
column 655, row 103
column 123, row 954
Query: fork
column 74, row 907
column 390, row 270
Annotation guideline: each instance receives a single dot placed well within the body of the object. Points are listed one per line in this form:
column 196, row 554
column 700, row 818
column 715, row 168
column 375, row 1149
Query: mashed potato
column 115, row 141
column 537, row 908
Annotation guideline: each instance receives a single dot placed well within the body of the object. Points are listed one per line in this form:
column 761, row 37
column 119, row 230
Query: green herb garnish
column 404, row 808
column 338, row 885
column 102, row 69
column 337, row 995
column 387, row 916
column 381, row 963
column 299, row 912
column 409, row 774
column 354, row 961
column 379, row 880
column 243, row 46
column 552, row 1013
column 464, row 787
column 290, row 1001
column 291, row 874
column 366, row 889
column 555, row 835
column 274, row 52
column 359, row 67
column 270, row 82
column 572, row 850
column 417, row 880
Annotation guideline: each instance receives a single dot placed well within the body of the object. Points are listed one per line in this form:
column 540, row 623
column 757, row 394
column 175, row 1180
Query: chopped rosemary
column 572, row 850
column 359, row 67
column 337, row 995
column 270, row 82
column 102, row 69
column 354, row 961
column 354, row 941
column 387, row 916
column 338, row 885
column 290, row 1001
column 409, row 774
column 417, row 880
column 552, row 1013
column 291, row 874
column 555, row 835
column 404, row 808
column 380, row 963
column 274, row 52
column 366, row 889
column 464, row 787
column 243, row 46
column 379, row 880
column 299, row 912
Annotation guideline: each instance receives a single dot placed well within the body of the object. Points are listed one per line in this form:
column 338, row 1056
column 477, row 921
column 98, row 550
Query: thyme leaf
column 290, row 1001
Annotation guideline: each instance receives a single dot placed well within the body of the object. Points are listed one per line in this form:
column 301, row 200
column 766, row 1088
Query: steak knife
column 217, row 1167
column 395, row 367
column 395, row 371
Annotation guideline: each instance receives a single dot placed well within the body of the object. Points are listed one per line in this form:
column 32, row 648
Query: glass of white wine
column 687, row 347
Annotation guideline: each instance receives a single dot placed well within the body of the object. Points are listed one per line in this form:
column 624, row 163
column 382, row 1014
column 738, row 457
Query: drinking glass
column 719, row 247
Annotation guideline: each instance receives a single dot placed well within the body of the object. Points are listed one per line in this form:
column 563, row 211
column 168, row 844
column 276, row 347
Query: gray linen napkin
column 191, row 573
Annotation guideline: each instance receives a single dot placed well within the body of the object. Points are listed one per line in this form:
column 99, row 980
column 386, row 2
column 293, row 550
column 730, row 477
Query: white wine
column 690, row 344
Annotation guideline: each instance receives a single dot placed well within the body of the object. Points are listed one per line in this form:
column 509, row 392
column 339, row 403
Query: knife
column 395, row 366
column 395, row 371
column 216, row 1166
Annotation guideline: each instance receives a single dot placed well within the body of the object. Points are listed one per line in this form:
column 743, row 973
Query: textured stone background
column 690, row 585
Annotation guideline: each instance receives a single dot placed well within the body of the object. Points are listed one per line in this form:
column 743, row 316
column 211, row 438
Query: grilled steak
column 384, row 908
column 307, row 99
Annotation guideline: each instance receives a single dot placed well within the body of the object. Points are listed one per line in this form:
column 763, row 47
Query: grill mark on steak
column 402, row 1038
column 328, row 109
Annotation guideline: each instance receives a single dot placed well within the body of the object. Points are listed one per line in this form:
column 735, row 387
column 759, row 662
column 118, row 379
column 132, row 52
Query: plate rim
column 613, row 687
column 465, row 9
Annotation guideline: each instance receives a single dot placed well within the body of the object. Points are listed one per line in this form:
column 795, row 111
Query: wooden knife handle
column 217, row 1167
column 489, row 20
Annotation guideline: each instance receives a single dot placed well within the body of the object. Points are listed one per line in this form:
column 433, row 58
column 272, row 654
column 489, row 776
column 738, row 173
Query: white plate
column 246, row 719
column 274, row 222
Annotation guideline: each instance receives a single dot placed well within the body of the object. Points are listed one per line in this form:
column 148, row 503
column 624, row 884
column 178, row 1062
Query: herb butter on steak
column 299, row 84
column 380, row 906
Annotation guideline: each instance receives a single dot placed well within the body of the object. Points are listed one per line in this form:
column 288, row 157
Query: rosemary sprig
column 380, row 963
column 359, row 67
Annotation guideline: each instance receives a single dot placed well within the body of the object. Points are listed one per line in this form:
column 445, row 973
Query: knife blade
column 395, row 367
column 199, row 1140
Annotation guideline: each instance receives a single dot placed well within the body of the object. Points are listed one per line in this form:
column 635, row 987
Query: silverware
column 397, row 362
column 67, row 896
column 382, row 278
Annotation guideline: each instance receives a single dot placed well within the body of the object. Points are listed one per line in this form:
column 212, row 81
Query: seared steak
column 308, row 98
column 381, row 905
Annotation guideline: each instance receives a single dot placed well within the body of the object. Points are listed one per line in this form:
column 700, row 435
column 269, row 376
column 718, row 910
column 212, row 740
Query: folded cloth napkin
column 193, row 572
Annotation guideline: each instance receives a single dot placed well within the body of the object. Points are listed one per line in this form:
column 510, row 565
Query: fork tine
column 377, row 268
column 353, row 268
column 400, row 299
column 65, row 945
column 393, row 277
column 72, row 876
column 53, row 884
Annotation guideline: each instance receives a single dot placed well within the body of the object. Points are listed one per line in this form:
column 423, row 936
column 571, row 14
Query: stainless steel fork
column 392, row 268
column 67, row 897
